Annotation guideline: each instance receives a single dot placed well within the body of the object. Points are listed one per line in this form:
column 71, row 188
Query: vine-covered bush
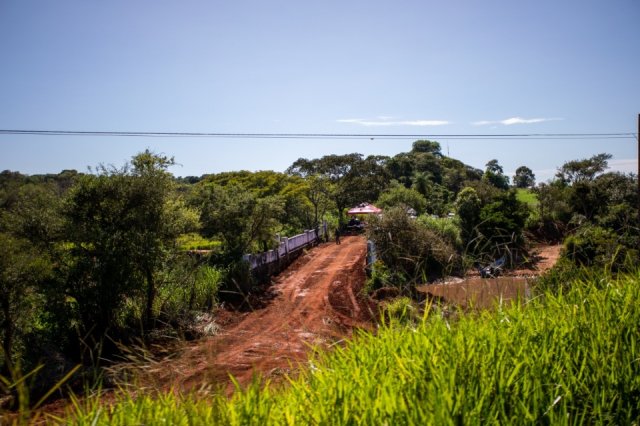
column 412, row 251
column 593, row 245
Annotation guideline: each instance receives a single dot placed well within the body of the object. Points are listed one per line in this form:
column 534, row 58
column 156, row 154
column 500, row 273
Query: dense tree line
column 597, row 210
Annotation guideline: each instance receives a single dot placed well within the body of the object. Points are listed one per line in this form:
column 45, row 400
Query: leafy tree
column 401, row 168
column 122, row 223
column 501, row 224
column 431, row 147
column 238, row 217
column 584, row 170
column 437, row 196
column 524, row 177
column 468, row 206
column 22, row 269
column 491, row 227
column 593, row 245
column 298, row 211
column 619, row 199
column 353, row 179
column 318, row 193
column 399, row 196
column 29, row 222
column 261, row 183
column 367, row 179
column 494, row 167
column 455, row 172
column 495, row 176
column 484, row 190
column 553, row 202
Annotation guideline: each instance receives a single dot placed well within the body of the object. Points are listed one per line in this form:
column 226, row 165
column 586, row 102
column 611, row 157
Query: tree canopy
column 524, row 177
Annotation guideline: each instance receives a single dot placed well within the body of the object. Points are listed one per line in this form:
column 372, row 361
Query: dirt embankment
column 314, row 303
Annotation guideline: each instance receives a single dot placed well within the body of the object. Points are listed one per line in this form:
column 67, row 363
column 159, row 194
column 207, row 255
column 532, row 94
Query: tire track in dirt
column 315, row 305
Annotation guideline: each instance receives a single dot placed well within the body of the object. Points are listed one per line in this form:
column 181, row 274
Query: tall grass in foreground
column 572, row 358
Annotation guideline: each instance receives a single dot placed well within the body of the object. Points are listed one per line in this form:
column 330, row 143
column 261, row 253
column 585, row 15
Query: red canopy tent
column 364, row 209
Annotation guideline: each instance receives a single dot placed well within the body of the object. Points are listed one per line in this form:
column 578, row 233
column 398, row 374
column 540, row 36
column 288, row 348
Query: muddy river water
column 481, row 293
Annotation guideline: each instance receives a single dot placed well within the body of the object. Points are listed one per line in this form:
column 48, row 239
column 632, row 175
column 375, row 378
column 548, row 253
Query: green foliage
column 431, row 147
column 503, row 220
column 583, row 170
column 524, row 178
column 188, row 288
column 596, row 246
column 412, row 252
column 318, row 191
column 494, row 228
column 243, row 221
column 445, row 227
column 401, row 311
column 194, row 241
column 468, row 206
column 380, row 277
column 236, row 278
column 350, row 179
column 600, row 208
column 555, row 360
column 527, row 197
column 122, row 224
column 32, row 212
column 399, row 196
column 437, row 196
column 553, row 202
column 22, row 270
column 494, row 175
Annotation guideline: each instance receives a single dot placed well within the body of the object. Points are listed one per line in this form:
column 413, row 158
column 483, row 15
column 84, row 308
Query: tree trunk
column 151, row 295
column 7, row 340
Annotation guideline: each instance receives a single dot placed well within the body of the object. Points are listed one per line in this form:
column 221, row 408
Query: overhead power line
column 614, row 135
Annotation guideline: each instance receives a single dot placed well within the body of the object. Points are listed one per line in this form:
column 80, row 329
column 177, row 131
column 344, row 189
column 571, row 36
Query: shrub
column 444, row 227
column 596, row 246
column 401, row 311
column 410, row 250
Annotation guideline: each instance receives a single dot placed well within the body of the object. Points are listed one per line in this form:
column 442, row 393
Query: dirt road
column 315, row 303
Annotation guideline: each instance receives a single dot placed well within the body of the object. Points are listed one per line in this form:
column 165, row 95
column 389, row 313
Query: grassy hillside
column 527, row 196
column 558, row 359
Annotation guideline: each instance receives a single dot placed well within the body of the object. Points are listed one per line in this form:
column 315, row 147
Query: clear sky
column 383, row 67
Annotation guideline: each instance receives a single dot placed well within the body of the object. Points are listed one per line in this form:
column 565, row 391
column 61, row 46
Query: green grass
column 196, row 242
column 527, row 196
column 572, row 358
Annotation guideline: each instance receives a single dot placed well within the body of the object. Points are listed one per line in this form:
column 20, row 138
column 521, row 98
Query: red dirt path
column 315, row 304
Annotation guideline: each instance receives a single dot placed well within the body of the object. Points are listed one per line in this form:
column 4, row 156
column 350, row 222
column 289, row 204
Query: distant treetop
column 427, row 146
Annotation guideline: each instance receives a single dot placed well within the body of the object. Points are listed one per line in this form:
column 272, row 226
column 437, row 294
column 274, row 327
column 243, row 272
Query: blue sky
column 383, row 67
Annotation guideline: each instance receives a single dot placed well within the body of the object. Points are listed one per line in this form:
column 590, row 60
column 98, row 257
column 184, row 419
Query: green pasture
column 527, row 196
